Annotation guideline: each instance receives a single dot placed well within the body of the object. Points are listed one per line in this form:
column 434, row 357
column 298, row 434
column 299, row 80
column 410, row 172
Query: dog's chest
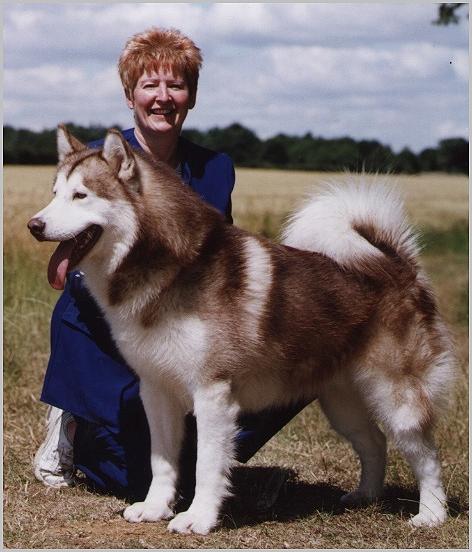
column 175, row 346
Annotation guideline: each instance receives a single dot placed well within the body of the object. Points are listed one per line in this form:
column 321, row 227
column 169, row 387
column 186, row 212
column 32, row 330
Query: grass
column 320, row 465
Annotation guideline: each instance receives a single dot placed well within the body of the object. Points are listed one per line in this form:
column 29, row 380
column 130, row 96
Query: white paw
column 193, row 521
column 142, row 511
column 428, row 519
column 357, row 498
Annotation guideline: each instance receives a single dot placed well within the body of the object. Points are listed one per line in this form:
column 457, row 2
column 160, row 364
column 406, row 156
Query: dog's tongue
column 58, row 264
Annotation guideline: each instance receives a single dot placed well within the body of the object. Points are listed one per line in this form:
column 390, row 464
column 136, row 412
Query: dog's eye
column 78, row 195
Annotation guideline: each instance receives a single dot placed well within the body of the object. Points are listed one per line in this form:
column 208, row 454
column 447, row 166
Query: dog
column 219, row 321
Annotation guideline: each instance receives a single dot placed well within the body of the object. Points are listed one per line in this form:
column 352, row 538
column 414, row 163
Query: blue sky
column 370, row 71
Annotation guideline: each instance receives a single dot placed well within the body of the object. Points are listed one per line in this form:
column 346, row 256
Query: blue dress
column 87, row 376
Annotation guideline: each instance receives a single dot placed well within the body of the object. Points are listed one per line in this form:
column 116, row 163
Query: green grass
column 462, row 316
column 27, row 307
column 450, row 248
column 454, row 239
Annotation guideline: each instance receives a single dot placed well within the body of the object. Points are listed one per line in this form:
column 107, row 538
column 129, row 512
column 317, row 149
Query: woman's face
column 160, row 102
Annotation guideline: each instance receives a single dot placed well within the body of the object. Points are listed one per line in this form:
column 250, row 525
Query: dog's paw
column 143, row 511
column 428, row 519
column 193, row 521
column 357, row 498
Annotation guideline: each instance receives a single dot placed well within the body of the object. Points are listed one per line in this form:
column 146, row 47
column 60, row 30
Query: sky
column 367, row 70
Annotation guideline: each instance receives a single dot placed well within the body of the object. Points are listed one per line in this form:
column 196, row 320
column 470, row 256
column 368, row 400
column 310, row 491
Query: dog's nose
column 36, row 227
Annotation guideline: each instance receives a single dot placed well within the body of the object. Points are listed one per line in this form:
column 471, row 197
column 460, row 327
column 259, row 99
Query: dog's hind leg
column 405, row 410
column 348, row 415
column 166, row 426
column 405, row 407
column 216, row 415
column 421, row 453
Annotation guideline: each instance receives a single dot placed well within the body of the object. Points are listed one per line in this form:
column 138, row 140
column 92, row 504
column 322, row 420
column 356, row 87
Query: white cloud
column 451, row 128
column 342, row 70
column 26, row 21
column 366, row 70
column 460, row 63
column 28, row 81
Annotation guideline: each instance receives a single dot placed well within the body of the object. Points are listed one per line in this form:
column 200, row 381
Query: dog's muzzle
column 36, row 227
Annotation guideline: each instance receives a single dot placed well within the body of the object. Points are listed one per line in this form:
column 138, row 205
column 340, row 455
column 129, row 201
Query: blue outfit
column 87, row 376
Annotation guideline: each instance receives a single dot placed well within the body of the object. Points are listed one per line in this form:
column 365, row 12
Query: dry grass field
column 320, row 465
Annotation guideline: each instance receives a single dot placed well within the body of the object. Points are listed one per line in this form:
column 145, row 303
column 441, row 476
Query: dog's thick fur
column 217, row 321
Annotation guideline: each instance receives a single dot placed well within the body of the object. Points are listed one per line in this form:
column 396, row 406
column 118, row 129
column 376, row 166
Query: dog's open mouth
column 68, row 254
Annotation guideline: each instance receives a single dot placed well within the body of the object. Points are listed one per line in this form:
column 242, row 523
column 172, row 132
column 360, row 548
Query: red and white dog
column 216, row 320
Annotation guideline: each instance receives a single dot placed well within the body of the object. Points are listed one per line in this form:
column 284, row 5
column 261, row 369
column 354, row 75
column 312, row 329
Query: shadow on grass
column 257, row 498
column 401, row 501
column 275, row 494
column 269, row 494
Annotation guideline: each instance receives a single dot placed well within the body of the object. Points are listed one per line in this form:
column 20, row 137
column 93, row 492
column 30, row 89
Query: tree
column 338, row 154
column 407, row 162
column 22, row 146
column 194, row 135
column 303, row 152
column 428, row 159
column 453, row 155
column 274, row 151
column 375, row 156
column 447, row 14
column 237, row 141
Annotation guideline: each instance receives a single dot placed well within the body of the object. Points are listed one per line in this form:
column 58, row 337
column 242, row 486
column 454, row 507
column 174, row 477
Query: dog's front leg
column 165, row 417
column 216, row 415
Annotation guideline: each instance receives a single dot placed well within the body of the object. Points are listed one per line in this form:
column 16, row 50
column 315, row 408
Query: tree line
column 22, row 146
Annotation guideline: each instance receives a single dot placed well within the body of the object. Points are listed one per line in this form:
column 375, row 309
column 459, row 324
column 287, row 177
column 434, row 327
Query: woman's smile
column 160, row 101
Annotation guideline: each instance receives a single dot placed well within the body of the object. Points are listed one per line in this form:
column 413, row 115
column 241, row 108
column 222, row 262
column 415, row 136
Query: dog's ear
column 119, row 156
column 66, row 143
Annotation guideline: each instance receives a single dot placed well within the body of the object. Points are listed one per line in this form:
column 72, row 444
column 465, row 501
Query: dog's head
column 91, row 191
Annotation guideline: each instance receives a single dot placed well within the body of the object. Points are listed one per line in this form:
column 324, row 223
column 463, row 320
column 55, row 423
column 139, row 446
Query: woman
column 97, row 423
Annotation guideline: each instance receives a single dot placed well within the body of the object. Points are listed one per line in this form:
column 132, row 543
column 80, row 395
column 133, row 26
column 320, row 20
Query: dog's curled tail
column 355, row 223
